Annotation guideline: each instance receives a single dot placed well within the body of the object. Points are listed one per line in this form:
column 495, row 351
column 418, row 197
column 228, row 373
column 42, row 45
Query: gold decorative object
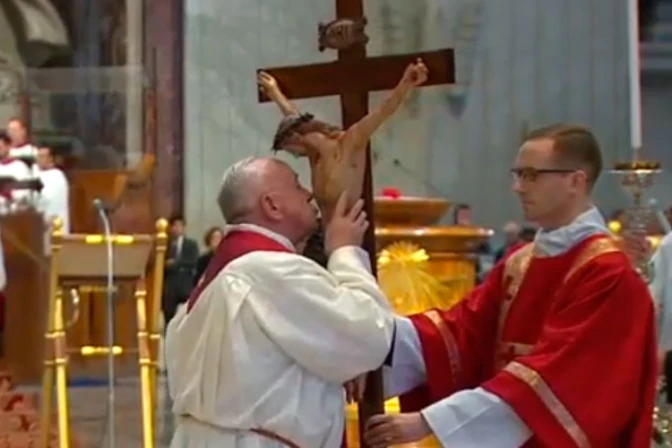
column 80, row 261
column 451, row 250
column 410, row 210
column 405, row 279
column 637, row 176
column 435, row 239
column 616, row 227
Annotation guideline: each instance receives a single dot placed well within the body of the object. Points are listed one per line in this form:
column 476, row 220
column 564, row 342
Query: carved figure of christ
column 352, row 77
column 337, row 157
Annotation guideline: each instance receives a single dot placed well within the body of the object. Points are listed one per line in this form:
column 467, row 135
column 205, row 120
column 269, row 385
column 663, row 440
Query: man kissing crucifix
column 337, row 157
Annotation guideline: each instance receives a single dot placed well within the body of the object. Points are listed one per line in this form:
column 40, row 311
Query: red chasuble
column 567, row 341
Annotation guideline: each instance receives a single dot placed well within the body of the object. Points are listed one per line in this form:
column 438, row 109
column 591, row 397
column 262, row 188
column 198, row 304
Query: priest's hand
column 354, row 389
column 386, row 430
column 346, row 228
column 636, row 246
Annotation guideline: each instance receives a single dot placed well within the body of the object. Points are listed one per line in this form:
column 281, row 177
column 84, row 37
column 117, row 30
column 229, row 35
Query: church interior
column 118, row 118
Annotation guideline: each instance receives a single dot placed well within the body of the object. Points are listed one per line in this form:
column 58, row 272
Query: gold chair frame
column 67, row 271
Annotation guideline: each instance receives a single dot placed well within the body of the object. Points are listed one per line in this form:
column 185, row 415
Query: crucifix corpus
column 351, row 77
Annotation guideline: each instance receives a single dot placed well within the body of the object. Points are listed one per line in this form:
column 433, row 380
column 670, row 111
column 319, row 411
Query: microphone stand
column 100, row 208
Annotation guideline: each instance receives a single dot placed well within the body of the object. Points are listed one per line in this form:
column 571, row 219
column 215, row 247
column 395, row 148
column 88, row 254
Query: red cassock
column 567, row 341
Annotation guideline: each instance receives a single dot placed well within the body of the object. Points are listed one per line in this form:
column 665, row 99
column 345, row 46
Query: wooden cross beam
column 352, row 77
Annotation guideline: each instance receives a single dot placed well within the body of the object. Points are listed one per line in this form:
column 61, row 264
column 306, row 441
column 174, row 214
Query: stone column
column 134, row 106
column 164, row 36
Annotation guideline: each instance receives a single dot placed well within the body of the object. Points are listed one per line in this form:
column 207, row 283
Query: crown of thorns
column 289, row 125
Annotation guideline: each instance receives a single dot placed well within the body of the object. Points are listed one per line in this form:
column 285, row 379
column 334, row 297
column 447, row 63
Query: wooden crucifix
column 352, row 77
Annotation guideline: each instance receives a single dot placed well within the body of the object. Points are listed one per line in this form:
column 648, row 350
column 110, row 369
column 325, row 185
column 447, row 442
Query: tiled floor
column 88, row 416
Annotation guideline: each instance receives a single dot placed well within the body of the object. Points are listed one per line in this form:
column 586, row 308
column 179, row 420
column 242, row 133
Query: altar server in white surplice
column 21, row 147
column 54, row 196
column 11, row 167
column 259, row 355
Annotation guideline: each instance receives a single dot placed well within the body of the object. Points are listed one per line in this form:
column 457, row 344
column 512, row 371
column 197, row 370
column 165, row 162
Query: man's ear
column 581, row 178
column 270, row 207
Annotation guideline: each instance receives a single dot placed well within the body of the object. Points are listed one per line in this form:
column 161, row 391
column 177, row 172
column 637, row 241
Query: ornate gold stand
column 80, row 261
column 421, row 265
column 637, row 177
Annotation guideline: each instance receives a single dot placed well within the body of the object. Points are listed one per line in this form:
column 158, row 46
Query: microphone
column 102, row 213
column 660, row 216
column 103, row 206
column 98, row 205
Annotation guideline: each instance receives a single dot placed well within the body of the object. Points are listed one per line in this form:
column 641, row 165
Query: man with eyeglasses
column 555, row 349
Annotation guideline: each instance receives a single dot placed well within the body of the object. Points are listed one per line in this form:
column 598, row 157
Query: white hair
column 236, row 195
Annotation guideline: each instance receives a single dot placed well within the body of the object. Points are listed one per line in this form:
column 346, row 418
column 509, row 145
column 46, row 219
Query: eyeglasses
column 531, row 174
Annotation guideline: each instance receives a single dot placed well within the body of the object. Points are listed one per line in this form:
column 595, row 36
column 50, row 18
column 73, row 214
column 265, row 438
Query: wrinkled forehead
column 278, row 174
column 536, row 153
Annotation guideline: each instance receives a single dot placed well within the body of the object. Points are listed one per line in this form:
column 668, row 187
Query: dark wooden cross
column 352, row 77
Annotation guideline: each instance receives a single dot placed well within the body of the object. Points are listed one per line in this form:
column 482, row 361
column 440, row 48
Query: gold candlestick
column 637, row 177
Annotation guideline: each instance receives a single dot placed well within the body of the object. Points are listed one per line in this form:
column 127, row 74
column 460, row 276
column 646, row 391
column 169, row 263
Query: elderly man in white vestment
column 260, row 354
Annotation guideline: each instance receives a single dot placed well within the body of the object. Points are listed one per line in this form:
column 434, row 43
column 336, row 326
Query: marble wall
column 521, row 64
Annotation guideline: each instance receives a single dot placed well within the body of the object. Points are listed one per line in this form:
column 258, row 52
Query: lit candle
column 633, row 66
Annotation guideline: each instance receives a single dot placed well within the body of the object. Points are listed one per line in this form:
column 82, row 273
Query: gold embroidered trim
column 594, row 249
column 514, row 273
column 516, row 267
column 515, row 348
column 448, row 341
column 534, row 380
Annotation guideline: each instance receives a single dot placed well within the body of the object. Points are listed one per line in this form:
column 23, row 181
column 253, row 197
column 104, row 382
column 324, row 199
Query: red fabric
column 591, row 356
column 473, row 323
column 7, row 160
column 234, row 245
column 390, row 192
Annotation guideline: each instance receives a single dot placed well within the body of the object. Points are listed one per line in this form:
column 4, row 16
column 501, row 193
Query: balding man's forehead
column 279, row 166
